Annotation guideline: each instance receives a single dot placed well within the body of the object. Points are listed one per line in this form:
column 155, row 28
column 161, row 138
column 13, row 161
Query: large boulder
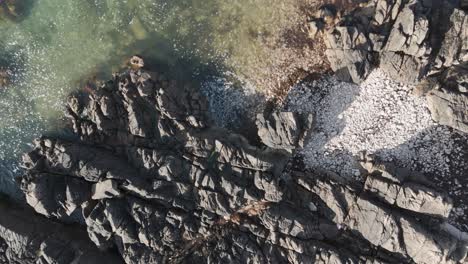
column 349, row 53
column 447, row 97
column 405, row 55
column 404, row 189
column 449, row 108
column 284, row 130
column 454, row 47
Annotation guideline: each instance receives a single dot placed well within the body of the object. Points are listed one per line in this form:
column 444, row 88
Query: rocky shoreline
column 29, row 238
column 189, row 192
column 418, row 42
column 153, row 180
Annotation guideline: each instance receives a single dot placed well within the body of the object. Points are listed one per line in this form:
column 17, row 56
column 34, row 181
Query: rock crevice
column 410, row 41
column 155, row 179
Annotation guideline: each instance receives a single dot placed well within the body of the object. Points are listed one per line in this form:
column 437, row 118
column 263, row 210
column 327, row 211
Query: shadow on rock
column 179, row 190
column 326, row 99
column 448, row 167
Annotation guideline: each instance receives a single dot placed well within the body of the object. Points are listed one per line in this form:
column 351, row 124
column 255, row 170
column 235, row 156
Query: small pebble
column 379, row 116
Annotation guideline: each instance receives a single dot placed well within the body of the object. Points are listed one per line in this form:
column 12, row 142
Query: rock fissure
column 220, row 199
column 156, row 180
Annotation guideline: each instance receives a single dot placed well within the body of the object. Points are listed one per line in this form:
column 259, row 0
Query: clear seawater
column 57, row 44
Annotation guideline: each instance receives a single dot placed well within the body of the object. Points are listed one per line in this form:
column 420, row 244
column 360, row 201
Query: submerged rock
column 5, row 76
column 155, row 179
column 14, row 10
column 449, row 108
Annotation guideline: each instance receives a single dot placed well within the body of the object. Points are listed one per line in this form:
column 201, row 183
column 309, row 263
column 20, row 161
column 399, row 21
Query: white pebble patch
column 379, row 116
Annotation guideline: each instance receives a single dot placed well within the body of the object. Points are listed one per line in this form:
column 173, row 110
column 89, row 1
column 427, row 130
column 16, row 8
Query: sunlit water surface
column 59, row 43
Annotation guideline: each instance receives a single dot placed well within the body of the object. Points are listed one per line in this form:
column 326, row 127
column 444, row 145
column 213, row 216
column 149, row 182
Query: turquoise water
column 56, row 45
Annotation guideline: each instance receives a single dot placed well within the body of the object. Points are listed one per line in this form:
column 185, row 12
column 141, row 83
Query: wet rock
column 11, row 9
column 405, row 39
column 160, row 183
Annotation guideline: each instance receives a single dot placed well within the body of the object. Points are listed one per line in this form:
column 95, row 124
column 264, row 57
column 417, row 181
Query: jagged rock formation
column 284, row 130
column 448, row 100
column 29, row 238
column 410, row 40
column 154, row 179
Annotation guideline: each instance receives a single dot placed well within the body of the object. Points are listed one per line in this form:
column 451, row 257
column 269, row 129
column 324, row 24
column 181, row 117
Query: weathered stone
column 105, row 189
column 404, row 68
column 403, row 188
column 185, row 191
column 156, row 180
column 449, row 108
column 409, row 196
column 137, row 62
column 407, row 39
column 349, row 53
column 284, row 130
column 454, row 49
column 410, row 31
column 28, row 238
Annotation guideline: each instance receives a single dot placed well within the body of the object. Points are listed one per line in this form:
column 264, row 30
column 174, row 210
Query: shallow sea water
column 57, row 44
